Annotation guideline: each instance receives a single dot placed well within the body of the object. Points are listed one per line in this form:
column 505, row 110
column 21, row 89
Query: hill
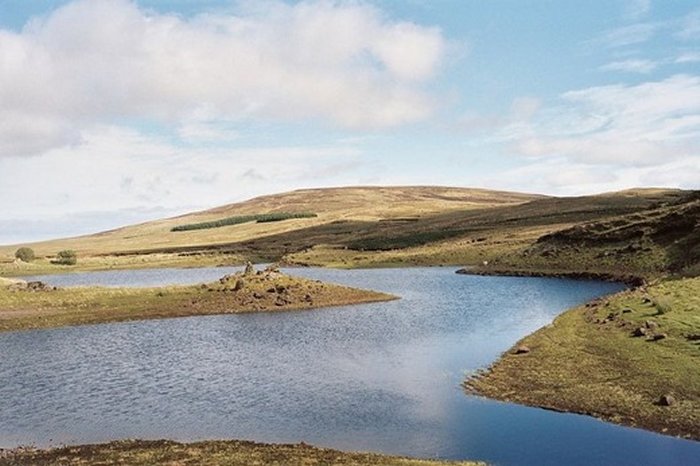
column 661, row 239
column 393, row 226
column 368, row 204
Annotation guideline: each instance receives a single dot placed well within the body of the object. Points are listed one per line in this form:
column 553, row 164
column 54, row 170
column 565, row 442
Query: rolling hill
column 638, row 232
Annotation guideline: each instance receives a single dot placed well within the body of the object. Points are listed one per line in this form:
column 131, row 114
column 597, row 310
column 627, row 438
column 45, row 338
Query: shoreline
column 212, row 452
column 589, row 361
column 269, row 291
column 627, row 279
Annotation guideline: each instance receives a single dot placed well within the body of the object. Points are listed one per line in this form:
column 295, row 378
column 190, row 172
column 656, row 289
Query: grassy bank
column 43, row 266
column 22, row 309
column 223, row 453
column 590, row 361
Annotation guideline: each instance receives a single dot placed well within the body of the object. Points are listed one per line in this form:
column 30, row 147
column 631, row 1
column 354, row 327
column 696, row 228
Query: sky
column 120, row 111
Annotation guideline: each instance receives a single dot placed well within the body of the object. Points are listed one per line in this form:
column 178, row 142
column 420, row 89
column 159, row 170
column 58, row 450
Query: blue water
column 379, row 377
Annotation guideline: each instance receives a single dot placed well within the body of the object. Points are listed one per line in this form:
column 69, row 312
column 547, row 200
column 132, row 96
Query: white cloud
column 135, row 171
column 628, row 35
column 562, row 177
column 636, row 9
column 690, row 26
column 631, row 66
column 688, row 57
column 644, row 124
column 99, row 61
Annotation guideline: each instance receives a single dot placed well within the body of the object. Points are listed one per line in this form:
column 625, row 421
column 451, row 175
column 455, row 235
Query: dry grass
column 333, row 204
column 210, row 453
column 374, row 227
column 109, row 262
column 588, row 361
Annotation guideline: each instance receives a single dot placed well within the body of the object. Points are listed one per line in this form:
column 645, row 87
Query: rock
column 38, row 286
column 249, row 269
column 257, row 295
column 280, row 301
column 658, row 336
column 239, row 285
column 640, row 332
column 693, row 336
column 308, row 298
column 272, row 268
column 627, row 310
column 522, row 349
column 666, row 400
column 651, row 325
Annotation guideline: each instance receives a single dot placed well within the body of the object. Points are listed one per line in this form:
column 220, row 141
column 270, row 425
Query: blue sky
column 113, row 112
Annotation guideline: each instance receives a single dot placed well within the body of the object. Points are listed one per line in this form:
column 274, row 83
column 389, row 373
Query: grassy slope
column 650, row 243
column 368, row 204
column 210, row 453
column 363, row 227
column 588, row 362
column 24, row 309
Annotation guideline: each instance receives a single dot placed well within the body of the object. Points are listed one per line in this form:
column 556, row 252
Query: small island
column 34, row 305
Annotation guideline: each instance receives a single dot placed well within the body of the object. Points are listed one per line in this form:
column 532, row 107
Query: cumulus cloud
column 103, row 61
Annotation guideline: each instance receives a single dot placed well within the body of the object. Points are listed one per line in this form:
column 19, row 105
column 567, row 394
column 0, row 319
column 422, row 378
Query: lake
column 375, row 377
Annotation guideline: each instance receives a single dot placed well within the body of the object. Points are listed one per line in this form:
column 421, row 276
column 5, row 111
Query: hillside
column 393, row 226
column 366, row 204
column 649, row 242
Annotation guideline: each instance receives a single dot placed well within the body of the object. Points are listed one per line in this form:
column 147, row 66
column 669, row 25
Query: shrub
column 66, row 257
column 25, row 254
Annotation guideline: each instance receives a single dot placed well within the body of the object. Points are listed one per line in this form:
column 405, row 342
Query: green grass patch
column 615, row 359
column 238, row 219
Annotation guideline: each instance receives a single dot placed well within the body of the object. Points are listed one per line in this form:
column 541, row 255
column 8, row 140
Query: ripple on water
column 383, row 376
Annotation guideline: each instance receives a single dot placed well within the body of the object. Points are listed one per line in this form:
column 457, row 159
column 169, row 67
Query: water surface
column 381, row 377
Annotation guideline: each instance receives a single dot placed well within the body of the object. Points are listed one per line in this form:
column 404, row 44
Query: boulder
column 639, row 332
column 521, row 349
column 658, row 336
column 666, row 400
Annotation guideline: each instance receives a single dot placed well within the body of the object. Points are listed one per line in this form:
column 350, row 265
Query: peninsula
column 33, row 305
